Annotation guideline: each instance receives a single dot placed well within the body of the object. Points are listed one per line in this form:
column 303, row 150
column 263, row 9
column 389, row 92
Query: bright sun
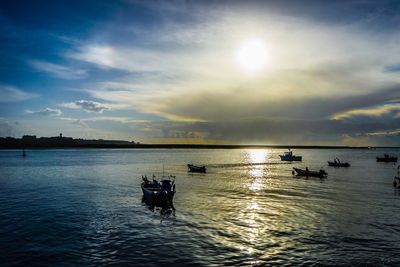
column 252, row 55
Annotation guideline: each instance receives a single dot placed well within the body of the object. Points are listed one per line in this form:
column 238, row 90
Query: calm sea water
column 83, row 208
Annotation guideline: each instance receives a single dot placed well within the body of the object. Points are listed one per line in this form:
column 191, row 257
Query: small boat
column 396, row 179
column 386, row 158
column 194, row 168
column 337, row 163
column 308, row 173
column 159, row 194
column 288, row 156
column 23, row 153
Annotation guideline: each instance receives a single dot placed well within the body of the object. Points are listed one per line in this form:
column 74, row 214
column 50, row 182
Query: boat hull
column 193, row 168
column 290, row 158
column 307, row 173
column 335, row 164
column 392, row 159
column 155, row 197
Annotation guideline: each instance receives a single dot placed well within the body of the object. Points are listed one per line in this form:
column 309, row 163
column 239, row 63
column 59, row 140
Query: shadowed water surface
column 83, row 207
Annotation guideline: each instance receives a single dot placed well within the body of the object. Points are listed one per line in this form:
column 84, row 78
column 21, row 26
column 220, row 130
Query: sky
column 207, row 72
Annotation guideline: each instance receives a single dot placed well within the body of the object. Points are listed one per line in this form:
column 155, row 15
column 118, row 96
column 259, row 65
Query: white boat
column 288, row 156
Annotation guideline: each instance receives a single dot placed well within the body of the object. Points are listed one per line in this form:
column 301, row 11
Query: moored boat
column 288, row 156
column 386, row 158
column 338, row 163
column 158, row 194
column 300, row 172
column 194, row 168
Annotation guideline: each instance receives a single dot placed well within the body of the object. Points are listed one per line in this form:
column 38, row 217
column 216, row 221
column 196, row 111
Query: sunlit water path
column 83, row 207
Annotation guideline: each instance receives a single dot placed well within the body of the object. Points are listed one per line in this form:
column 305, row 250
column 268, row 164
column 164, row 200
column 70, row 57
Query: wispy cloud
column 375, row 111
column 395, row 132
column 59, row 71
column 13, row 94
column 119, row 119
column 45, row 112
column 87, row 105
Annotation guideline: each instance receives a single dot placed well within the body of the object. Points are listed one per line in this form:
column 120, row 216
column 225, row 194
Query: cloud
column 45, row 112
column 59, row 71
column 349, row 140
column 375, row 111
column 275, row 131
column 87, row 105
column 172, row 76
column 126, row 120
column 12, row 94
column 395, row 132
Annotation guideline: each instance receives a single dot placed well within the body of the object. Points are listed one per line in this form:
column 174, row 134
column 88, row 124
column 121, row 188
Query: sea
column 83, row 207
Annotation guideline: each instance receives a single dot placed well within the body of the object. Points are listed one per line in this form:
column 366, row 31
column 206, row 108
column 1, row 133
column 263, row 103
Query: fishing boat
column 396, row 179
column 288, row 156
column 337, row 163
column 194, row 168
column 300, row 172
column 159, row 193
column 386, row 158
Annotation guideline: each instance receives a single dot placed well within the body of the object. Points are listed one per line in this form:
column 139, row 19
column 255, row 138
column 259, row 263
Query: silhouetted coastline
column 31, row 141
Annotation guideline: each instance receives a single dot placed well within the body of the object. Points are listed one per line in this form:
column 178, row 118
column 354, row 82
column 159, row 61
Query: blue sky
column 168, row 71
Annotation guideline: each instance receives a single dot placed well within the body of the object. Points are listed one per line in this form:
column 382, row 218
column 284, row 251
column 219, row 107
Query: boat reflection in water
column 159, row 193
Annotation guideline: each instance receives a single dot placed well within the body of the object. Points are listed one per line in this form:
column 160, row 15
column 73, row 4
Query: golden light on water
column 256, row 159
column 257, row 156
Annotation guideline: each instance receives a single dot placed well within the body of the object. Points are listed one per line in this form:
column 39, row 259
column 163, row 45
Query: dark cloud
column 238, row 104
column 278, row 131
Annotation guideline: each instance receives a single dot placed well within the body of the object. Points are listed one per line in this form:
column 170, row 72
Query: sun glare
column 252, row 55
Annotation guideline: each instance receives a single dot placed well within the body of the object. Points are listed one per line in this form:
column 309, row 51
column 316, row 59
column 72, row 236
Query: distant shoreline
column 182, row 146
column 62, row 142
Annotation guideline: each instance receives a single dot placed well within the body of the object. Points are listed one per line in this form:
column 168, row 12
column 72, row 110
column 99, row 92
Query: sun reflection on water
column 256, row 158
column 259, row 218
